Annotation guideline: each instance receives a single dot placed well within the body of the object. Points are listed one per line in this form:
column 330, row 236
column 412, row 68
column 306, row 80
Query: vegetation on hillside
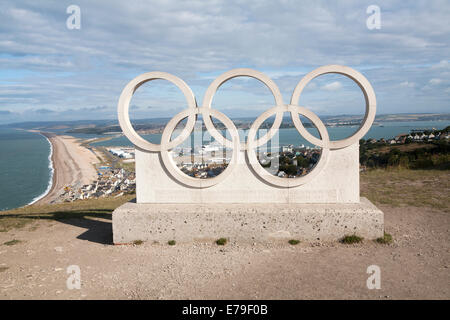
column 429, row 154
column 399, row 187
column 80, row 209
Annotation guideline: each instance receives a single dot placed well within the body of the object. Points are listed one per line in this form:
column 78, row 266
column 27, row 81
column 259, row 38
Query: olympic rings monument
column 245, row 202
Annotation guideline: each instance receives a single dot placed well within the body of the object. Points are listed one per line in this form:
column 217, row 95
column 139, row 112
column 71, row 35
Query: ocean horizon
column 26, row 169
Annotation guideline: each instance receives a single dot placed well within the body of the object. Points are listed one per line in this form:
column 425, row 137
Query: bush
column 423, row 164
column 403, row 162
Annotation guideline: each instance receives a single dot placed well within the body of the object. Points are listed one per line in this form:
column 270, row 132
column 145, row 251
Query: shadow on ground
column 98, row 230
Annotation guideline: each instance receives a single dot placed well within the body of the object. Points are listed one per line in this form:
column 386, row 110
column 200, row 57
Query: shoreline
column 51, row 166
column 52, row 181
column 73, row 166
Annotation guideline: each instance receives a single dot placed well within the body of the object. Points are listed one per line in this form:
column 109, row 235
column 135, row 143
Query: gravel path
column 415, row 266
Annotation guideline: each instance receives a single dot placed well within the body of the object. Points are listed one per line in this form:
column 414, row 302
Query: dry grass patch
column 403, row 187
column 81, row 209
column 221, row 241
column 402, row 147
column 386, row 239
column 351, row 239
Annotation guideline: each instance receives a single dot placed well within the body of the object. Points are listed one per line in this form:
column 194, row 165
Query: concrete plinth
column 245, row 222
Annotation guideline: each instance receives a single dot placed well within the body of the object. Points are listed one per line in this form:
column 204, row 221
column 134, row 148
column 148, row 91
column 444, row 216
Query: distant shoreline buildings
column 209, row 160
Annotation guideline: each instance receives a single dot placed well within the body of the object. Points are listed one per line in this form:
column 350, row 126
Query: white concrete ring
column 170, row 164
column 242, row 72
column 288, row 182
column 124, row 105
column 369, row 96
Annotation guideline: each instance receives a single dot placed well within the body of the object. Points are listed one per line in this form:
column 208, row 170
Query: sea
column 26, row 169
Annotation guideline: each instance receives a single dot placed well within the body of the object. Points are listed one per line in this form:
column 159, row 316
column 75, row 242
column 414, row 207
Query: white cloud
column 43, row 63
column 435, row 81
column 333, row 86
column 407, row 84
column 443, row 64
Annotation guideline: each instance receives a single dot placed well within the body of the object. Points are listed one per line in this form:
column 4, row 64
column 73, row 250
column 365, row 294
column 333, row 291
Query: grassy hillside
column 405, row 187
column 91, row 208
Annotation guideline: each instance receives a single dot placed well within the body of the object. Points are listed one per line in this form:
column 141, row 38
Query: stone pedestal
column 245, row 202
column 255, row 222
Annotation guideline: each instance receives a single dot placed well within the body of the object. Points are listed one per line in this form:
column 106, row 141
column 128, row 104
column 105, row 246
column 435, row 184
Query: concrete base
column 245, row 222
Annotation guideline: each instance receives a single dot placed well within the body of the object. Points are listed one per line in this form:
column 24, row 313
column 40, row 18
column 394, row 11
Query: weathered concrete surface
column 337, row 182
column 245, row 222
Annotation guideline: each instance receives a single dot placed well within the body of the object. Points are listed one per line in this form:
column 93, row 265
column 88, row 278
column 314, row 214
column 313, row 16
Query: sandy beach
column 73, row 165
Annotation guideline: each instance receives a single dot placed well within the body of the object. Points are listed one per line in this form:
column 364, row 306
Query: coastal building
column 111, row 182
column 123, row 153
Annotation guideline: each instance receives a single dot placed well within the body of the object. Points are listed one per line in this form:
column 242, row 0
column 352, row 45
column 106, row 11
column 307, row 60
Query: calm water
column 24, row 157
column 291, row 136
column 24, row 167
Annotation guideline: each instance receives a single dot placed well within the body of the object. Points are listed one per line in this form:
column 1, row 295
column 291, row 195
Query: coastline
column 73, row 166
column 52, row 173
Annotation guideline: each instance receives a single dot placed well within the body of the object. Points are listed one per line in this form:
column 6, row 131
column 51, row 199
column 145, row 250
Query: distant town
column 147, row 126
column 110, row 182
column 415, row 136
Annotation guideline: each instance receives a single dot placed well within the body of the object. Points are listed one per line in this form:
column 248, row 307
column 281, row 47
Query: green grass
column 138, row 242
column 221, row 241
column 171, row 242
column 294, row 242
column 12, row 242
column 386, row 239
column 350, row 239
column 403, row 187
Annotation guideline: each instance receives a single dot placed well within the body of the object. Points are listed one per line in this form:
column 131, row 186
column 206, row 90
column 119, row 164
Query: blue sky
column 49, row 72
